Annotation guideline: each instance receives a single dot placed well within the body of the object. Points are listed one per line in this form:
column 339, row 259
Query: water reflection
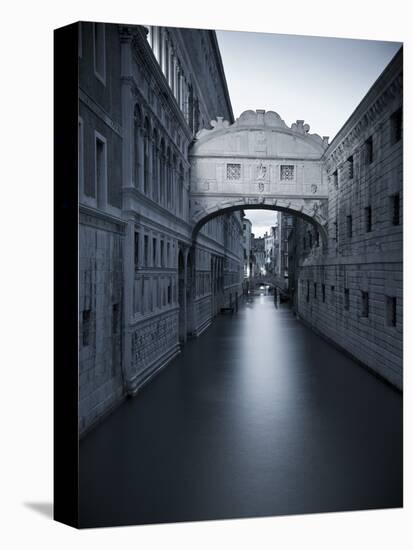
column 258, row 416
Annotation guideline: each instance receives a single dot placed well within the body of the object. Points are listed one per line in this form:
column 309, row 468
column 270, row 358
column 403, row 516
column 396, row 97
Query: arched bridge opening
column 294, row 211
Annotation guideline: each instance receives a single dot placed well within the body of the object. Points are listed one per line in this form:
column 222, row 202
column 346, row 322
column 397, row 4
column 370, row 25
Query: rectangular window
column 115, row 319
column 146, row 250
column 395, row 208
column 168, row 254
column 317, row 238
column 335, row 231
column 143, row 294
column 154, row 251
column 315, row 291
column 233, row 171
column 369, row 150
column 349, row 221
column 396, row 124
column 323, row 292
column 101, row 171
column 346, row 299
column 367, row 218
column 350, row 162
column 86, row 327
column 391, row 311
column 99, row 52
column 333, row 288
column 287, row 172
column 162, row 254
column 136, row 249
column 364, row 304
column 308, row 291
column 335, row 179
column 169, row 292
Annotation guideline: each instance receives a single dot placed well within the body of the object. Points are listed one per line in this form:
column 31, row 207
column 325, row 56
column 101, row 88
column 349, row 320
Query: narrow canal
column 259, row 416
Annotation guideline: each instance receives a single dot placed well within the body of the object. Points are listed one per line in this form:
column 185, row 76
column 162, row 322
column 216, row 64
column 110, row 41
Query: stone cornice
column 264, row 121
column 100, row 219
column 99, row 112
column 143, row 199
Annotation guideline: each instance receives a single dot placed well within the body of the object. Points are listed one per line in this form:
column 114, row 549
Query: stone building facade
column 146, row 282
column 247, row 243
column 271, row 249
column 352, row 293
column 258, row 251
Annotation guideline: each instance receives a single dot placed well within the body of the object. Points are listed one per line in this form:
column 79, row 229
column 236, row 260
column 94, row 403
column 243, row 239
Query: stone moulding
column 136, row 382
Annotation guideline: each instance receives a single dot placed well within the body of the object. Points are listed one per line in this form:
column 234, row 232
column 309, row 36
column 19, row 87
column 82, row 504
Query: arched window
column 162, row 172
column 155, row 177
column 168, row 177
column 137, row 136
column 190, row 116
column 146, row 157
column 196, row 116
column 181, row 189
column 173, row 182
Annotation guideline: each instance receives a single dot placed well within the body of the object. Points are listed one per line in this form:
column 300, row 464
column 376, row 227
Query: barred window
column 350, row 161
column 395, row 208
column 391, row 311
column 287, row 172
column 233, row 171
column 364, row 304
column 396, row 126
column 368, row 218
column 349, row 220
column 335, row 179
column 346, row 299
column 369, row 150
column 86, row 327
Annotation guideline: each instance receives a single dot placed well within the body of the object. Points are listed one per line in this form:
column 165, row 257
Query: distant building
column 247, row 245
column 258, row 249
column 285, row 226
column 271, row 249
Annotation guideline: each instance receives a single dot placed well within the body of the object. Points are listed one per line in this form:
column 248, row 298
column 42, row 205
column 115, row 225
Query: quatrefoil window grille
column 287, row 172
column 233, row 171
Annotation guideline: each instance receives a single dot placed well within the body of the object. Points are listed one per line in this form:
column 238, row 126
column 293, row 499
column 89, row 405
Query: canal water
column 257, row 417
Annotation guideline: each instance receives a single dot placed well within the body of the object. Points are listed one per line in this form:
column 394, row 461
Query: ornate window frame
column 287, row 179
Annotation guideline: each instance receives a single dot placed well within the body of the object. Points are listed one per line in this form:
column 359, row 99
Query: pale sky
column 320, row 80
column 261, row 220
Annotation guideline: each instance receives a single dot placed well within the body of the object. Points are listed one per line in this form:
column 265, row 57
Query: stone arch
column 288, row 207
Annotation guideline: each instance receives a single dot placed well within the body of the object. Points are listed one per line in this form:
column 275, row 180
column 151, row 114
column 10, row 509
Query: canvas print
column 240, row 274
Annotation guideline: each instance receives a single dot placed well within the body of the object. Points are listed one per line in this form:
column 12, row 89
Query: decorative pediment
column 260, row 132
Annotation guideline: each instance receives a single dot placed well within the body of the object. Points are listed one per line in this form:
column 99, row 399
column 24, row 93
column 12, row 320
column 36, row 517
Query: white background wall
column 26, row 230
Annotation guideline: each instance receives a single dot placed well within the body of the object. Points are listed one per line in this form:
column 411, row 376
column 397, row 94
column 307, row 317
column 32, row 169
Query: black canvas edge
column 65, row 248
